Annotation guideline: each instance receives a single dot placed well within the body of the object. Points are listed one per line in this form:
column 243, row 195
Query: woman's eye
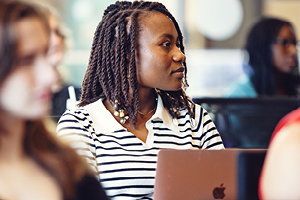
column 166, row 44
column 178, row 45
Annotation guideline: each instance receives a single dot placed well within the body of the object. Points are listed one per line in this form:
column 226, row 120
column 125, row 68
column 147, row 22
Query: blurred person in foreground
column 34, row 164
column 271, row 63
column 280, row 176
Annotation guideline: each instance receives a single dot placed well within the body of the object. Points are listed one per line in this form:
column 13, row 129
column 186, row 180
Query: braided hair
column 113, row 60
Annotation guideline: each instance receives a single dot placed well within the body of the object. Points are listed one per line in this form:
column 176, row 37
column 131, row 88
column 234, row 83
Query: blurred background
column 214, row 35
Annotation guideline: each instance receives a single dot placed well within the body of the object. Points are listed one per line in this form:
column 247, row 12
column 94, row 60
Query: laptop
column 208, row 174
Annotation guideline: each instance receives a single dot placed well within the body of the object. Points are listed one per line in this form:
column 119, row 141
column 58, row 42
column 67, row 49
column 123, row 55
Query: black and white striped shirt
column 126, row 165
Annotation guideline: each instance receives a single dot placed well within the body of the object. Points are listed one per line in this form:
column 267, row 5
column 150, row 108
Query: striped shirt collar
column 107, row 123
column 162, row 113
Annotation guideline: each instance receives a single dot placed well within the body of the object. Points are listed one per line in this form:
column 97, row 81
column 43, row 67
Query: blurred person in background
column 57, row 37
column 34, row 164
column 59, row 43
column 271, row 65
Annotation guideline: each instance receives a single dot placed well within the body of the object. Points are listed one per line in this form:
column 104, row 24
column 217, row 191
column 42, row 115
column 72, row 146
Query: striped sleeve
column 76, row 128
column 210, row 138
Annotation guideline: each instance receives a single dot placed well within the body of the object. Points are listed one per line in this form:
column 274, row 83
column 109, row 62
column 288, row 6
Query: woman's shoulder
column 76, row 113
column 75, row 118
column 199, row 114
column 84, row 111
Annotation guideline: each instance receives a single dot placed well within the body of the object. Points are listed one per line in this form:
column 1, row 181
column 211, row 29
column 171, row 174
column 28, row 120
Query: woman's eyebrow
column 169, row 36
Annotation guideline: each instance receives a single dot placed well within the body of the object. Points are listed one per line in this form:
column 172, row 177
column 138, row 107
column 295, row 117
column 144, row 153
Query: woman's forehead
column 31, row 35
column 152, row 16
column 286, row 31
column 156, row 21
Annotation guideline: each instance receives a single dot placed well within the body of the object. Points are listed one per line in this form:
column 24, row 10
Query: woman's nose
column 49, row 74
column 293, row 49
column 179, row 56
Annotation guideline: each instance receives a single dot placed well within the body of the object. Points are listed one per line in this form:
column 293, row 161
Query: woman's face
column 56, row 49
column 285, row 50
column 159, row 59
column 26, row 91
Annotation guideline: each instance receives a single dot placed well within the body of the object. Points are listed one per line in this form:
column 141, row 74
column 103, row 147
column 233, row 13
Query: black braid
column 124, row 88
column 132, row 70
column 118, row 61
column 112, row 66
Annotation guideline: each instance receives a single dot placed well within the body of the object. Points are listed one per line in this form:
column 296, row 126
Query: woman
column 133, row 101
column 33, row 163
column 272, row 67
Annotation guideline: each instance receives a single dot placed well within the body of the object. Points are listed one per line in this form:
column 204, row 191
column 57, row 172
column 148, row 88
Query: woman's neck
column 147, row 100
column 11, row 138
column 278, row 78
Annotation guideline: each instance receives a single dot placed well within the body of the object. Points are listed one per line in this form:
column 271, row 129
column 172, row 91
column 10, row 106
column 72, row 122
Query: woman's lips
column 179, row 72
column 44, row 95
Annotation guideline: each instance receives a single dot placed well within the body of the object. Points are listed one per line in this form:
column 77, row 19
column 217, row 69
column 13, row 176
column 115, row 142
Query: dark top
column 89, row 188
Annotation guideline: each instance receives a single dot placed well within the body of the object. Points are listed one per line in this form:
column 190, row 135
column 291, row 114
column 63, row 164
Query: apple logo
column 218, row 192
